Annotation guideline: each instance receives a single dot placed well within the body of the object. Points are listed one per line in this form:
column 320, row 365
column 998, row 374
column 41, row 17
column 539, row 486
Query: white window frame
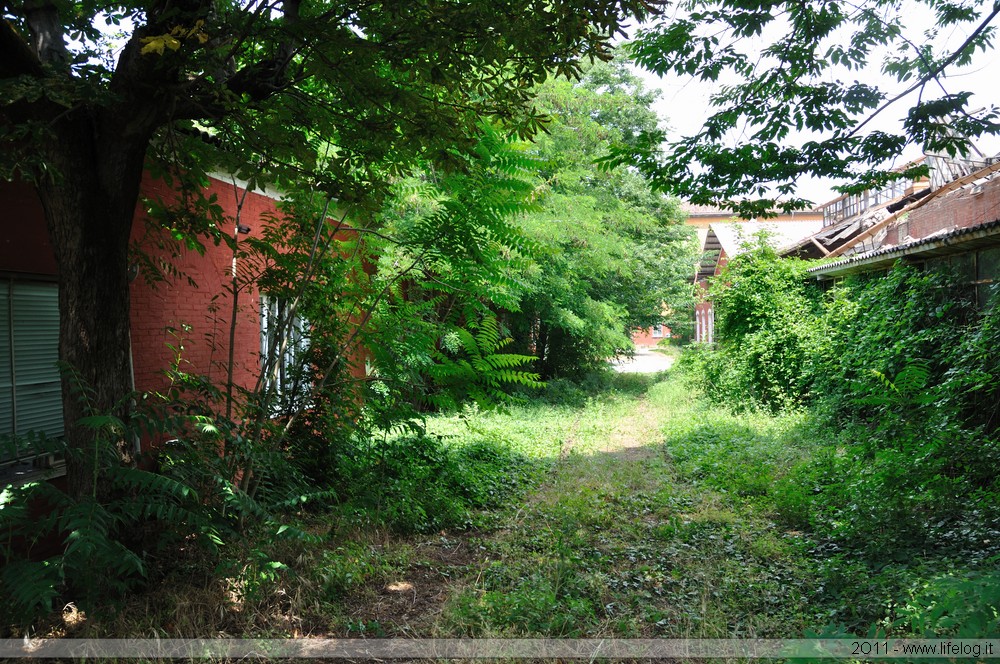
column 284, row 377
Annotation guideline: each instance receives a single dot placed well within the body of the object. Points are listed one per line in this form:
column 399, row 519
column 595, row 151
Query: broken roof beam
column 951, row 186
column 823, row 249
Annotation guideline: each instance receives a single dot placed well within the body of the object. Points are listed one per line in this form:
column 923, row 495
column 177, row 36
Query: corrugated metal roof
column 948, row 242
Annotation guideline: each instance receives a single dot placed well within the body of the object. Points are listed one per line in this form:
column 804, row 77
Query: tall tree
column 611, row 251
column 331, row 93
column 799, row 84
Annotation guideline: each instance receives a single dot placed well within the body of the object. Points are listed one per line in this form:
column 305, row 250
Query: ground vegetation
column 893, row 368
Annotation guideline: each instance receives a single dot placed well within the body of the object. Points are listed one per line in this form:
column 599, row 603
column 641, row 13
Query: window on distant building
column 30, row 391
column 283, row 343
column 657, row 331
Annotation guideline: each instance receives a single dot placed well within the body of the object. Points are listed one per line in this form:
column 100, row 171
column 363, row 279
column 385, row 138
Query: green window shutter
column 6, row 381
column 37, row 390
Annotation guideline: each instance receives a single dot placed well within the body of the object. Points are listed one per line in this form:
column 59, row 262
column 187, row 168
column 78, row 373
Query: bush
column 420, row 483
column 900, row 374
column 877, row 326
column 768, row 325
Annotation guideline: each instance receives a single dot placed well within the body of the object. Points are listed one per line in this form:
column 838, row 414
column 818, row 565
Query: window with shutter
column 30, row 391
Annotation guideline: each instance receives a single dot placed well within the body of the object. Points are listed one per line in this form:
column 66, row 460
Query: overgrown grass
column 420, row 484
column 884, row 550
column 652, row 528
column 625, row 507
column 716, row 527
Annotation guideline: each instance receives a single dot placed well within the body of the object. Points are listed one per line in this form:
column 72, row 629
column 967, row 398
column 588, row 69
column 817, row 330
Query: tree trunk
column 541, row 349
column 89, row 200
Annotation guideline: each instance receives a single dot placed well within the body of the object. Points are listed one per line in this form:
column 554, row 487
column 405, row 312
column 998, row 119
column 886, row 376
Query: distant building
column 703, row 218
column 725, row 240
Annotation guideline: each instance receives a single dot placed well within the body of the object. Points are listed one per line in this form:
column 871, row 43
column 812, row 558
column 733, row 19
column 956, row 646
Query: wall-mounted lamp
column 243, row 229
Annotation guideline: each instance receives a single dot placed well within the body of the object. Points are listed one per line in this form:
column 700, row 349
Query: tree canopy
column 326, row 96
column 341, row 90
column 796, row 96
column 611, row 251
column 570, row 258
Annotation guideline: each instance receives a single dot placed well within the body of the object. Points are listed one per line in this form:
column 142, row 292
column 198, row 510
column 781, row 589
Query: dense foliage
column 765, row 319
column 897, row 372
column 371, row 319
column 329, row 101
column 610, row 254
column 332, row 98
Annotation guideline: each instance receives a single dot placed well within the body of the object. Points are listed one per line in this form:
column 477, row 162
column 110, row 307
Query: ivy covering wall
column 897, row 375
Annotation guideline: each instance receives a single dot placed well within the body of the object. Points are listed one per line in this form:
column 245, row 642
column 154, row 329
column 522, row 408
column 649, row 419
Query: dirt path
column 644, row 361
column 603, row 454
column 638, row 437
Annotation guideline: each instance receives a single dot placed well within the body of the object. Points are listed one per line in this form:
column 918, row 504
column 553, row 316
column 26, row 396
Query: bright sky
column 685, row 101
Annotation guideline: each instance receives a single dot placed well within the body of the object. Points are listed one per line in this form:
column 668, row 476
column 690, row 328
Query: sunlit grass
column 627, row 508
column 631, row 535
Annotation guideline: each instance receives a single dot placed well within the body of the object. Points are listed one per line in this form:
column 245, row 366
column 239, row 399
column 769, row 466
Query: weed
column 644, row 514
column 418, row 484
column 345, row 568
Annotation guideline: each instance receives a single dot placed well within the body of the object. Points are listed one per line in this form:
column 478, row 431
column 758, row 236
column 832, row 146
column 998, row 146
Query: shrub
column 878, row 325
column 900, row 371
column 768, row 326
column 419, row 483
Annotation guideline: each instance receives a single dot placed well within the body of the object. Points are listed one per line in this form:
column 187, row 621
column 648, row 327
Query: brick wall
column 961, row 208
column 646, row 339
column 198, row 314
column 201, row 314
column 24, row 248
column 167, row 312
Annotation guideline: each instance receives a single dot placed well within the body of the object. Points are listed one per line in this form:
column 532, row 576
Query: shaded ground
column 642, row 521
column 624, row 509
column 411, row 601
column 594, row 446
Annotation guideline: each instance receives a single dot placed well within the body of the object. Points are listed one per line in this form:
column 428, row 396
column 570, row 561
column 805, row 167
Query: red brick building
column 193, row 305
column 956, row 225
column 198, row 298
column 651, row 336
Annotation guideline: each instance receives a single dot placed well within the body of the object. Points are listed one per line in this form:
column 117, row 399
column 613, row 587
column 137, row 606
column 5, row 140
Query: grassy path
column 646, row 523
column 631, row 510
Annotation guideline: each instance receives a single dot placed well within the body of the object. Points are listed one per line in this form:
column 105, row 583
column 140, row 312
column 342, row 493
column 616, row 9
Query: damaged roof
column 865, row 232
column 731, row 238
column 941, row 243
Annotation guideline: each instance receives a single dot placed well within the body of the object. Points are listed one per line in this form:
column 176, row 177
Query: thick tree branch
column 935, row 72
column 16, row 57
column 47, row 36
column 265, row 78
